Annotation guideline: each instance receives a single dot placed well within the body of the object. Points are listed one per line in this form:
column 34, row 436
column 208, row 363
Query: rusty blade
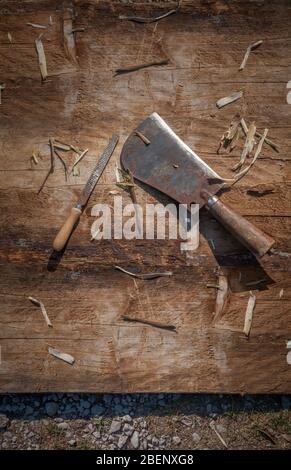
column 167, row 163
column 97, row 172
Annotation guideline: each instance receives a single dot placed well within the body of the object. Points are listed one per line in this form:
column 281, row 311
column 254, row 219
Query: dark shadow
column 243, row 269
column 56, row 256
column 89, row 405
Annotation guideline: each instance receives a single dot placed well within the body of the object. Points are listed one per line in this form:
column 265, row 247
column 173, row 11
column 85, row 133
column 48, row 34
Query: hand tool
column 169, row 165
column 76, row 211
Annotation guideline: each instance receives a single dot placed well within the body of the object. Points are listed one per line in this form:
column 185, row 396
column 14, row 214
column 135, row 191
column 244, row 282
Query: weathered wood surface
column 84, row 296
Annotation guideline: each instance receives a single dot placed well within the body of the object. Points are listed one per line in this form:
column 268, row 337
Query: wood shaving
column 141, row 19
column 249, row 314
column 134, row 68
column 123, row 178
column 52, row 165
column 9, row 37
column 175, row 166
column 75, row 149
column 250, row 48
column 213, row 286
column 261, row 189
column 229, row 99
column 93, row 237
column 281, row 293
column 76, row 171
column 229, row 135
column 248, row 146
column 258, row 134
column 149, row 322
column 34, row 158
column 50, row 20
column 221, row 296
column 213, row 427
column 43, row 310
column 60, row 355
column 240, row 175
column 63, row 163
column 78, row 30
column 267, row 435
column 80, row 158
column 113, row 192
column 69, row 38
column 41, row 58
column 255, row 283
column 145, row 276
column 283, row 254
column 61, row 146
column 36, row 25
column 142, row 137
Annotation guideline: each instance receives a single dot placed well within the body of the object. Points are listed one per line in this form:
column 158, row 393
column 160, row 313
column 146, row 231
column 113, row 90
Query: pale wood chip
column 61, row 146
column 9, row 37
column 113, row 192
column 79, row 158
column 34, row 158
column 250, row 48
column 43, row 310
column 60, row 355
column 93, row 237
column 41, row 58
column 281, row 293
column 229, row 99
column 258, row 134
column 221, row 296
column 249, row 314
column 213, row 427
column 145, row 276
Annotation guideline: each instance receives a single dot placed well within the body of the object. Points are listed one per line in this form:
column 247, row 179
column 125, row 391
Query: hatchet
column 155, row 155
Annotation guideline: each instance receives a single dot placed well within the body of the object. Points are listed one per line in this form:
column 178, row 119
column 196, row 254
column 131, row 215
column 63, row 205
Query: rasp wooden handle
column 250, row 236
column 66, row 229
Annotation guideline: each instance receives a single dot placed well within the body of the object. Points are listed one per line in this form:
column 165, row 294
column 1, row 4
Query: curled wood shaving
column 80, row 158
column 134, row 68
column 145, row 276
column 213, row 427
column 249, row 314
column 149, row 322
column 250, row 48
column 43, row 310
column 235, row 139
column 221, row 296
column 248, row 146
column 36, row 25
column 60, row 355
column 229, row 99
column 142, row 137
column 41, row 58
column 9, row 37
column 242, row 173
column 141, row 19
column 258, row 134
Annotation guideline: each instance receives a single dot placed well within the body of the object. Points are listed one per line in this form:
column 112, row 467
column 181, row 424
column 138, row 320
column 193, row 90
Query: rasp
column 64, row 233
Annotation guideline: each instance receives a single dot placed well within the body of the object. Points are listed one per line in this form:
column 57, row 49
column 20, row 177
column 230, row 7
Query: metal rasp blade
column 167, row 163
column 97, row 172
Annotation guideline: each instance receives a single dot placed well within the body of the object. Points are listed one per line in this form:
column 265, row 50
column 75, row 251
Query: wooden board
column 83, row 103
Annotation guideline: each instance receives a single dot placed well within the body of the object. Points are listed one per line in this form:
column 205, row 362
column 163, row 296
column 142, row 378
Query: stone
column 97, row 410
column 4, row 421
column 85, row 404
column 176, row 440
column 220, row 428
column 96, row 434
column 63, row 426
column 135, row 440
column 115, row 426
column 122, row 441
column 196, row 438
column 51, row 408
column 187, row 421
column 127, row 419
column 72, row 442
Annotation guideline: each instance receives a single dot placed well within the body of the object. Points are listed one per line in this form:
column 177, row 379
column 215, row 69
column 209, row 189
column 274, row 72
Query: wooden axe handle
column 66, row 229
column 250, row 236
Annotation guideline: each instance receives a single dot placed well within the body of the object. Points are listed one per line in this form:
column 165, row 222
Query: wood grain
column 82, row 103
